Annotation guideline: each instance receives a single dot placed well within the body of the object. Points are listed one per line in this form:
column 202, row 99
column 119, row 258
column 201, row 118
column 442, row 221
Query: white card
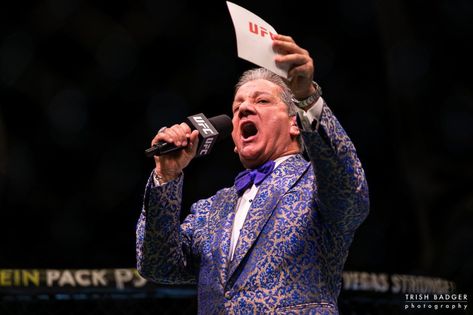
column 254, row 42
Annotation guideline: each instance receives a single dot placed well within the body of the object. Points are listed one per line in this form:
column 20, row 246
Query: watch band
column 312, row 99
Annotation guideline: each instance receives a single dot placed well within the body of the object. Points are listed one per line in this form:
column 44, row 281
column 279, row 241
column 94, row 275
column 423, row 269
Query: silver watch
column 311, row 99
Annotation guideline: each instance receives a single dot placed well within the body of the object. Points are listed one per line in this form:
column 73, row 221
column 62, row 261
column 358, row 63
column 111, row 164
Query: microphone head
column 210, row 130
column 224, row 126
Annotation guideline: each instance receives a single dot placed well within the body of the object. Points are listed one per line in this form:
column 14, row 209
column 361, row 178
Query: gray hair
column 261, row 73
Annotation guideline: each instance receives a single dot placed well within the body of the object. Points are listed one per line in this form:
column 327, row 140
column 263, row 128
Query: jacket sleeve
column 342, row 190
column 166, row 250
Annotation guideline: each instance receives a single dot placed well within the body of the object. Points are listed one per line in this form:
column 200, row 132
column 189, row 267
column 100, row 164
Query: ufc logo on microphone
column 206, row 146
column 205, row 128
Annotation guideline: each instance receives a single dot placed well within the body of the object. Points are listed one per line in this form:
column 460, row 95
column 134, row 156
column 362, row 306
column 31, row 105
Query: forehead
column 258, row 86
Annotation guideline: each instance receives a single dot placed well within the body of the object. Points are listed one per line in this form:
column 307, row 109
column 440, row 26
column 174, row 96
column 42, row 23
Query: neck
column 278, row 159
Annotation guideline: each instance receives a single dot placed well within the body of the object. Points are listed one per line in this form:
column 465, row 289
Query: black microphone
column 211, row 131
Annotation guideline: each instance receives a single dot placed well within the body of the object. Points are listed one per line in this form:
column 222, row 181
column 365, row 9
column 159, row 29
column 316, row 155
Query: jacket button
column 228, row 296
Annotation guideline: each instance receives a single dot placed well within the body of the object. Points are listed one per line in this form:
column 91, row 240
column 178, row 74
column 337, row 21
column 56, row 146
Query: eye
column 262, row 101
column 236, row 108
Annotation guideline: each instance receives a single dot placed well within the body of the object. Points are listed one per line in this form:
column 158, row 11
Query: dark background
column 85, row 85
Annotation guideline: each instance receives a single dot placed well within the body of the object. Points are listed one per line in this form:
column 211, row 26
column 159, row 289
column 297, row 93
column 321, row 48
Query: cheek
column 277, row 126
column 234, row 136
column 234, row 130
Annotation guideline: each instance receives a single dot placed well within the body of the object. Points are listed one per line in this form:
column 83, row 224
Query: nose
column 246, row 109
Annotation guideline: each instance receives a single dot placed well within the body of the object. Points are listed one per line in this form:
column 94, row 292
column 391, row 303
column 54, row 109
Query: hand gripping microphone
column 210, row 130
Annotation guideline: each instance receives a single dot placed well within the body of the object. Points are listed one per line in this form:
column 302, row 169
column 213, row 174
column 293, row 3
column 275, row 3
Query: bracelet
column 312, row 99
column 157, row 178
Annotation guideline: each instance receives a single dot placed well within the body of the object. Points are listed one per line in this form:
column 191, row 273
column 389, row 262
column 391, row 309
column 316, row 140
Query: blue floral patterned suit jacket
column 292, row 246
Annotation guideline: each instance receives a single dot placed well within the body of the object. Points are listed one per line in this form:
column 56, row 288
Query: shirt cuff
column 160, row 182
column 313, row 114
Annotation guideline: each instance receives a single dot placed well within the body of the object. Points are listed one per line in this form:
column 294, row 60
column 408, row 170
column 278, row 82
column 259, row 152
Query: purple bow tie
column 246, row 178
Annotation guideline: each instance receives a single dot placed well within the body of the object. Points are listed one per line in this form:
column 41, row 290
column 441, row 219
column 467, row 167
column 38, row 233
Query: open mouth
column 248, row 129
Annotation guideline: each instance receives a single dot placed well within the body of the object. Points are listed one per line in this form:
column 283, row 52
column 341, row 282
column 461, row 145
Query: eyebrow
column 254, row 94
column 238, row 98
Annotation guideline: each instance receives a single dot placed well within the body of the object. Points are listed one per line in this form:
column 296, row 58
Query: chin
column 248, row 164
column 249, row 161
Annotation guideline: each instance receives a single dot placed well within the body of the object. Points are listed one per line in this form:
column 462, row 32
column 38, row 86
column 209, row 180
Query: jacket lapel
column 268, row 196
column 222, row 223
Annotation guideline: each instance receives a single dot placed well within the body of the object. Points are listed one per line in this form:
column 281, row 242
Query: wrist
column 164, row 177
column 310, row 100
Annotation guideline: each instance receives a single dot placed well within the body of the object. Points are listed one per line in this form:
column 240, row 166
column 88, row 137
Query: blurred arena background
column 85, row 85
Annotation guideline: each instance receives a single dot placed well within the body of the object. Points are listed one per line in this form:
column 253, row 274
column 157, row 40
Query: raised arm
column 342, row 190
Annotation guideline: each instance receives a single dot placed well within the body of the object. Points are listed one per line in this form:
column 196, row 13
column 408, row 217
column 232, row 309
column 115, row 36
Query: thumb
column 193, row 142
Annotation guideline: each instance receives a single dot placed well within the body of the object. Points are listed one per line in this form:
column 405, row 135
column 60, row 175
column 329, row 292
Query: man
column 275, row 242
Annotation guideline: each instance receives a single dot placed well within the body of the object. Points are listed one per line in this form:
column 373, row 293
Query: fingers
column 293, row 57
column 295, row 60
column 177, row 134
column 287, row 47
column 194, row 137
column 180, row 134
column 283, row 37
column 285, row 44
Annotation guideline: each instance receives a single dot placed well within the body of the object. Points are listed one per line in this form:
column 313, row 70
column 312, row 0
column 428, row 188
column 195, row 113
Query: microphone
column 211, row 131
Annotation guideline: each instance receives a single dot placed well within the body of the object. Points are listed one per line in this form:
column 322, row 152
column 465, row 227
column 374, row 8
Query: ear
column 235, row 150
column 293, row 128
